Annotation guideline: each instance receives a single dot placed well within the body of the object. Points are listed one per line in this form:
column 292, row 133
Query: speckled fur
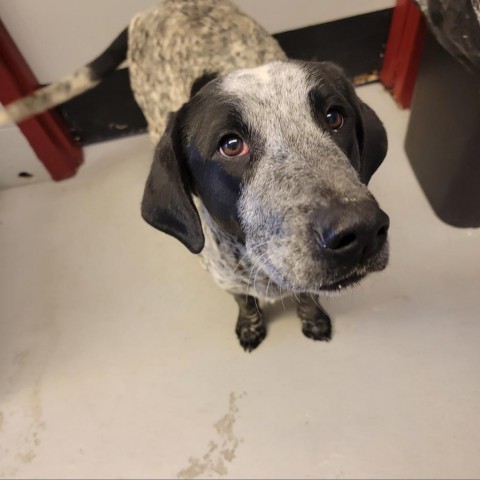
column 232, row 266
column 178, row 41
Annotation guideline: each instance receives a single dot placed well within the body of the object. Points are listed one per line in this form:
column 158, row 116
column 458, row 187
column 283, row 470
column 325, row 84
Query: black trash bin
column 443, row 136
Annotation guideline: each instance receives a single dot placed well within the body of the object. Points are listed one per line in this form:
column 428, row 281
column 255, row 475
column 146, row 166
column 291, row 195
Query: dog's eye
column 233, row 146
column 334, row 119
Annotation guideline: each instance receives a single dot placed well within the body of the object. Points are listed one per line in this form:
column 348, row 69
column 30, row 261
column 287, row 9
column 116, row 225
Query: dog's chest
column 230, row 265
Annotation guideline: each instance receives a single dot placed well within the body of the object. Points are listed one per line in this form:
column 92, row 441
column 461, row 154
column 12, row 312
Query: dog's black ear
column 200, row 82
column 372, row 139
column 167, row 202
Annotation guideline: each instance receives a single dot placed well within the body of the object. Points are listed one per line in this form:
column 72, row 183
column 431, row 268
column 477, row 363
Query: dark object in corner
column 109, row 110
column 443, row 138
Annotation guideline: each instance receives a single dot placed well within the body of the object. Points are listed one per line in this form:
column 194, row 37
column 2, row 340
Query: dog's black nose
column 351, row 232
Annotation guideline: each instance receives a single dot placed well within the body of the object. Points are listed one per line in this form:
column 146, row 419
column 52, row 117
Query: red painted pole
column 403, row 51
column 47, row 133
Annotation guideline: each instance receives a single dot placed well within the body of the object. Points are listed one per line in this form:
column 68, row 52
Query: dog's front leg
column 250, row 324
column 316, row 323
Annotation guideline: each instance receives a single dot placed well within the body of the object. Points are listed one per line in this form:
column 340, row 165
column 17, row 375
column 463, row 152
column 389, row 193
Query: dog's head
column 280, row 156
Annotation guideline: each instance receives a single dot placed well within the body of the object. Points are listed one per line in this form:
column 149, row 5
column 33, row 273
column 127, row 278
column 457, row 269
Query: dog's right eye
column 233, row 146
column 334, row 119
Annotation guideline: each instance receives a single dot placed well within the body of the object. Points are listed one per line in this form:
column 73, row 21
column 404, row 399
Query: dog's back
column 179, row 41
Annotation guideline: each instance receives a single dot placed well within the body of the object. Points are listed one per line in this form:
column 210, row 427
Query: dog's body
column 264, row 172
column 263, row 163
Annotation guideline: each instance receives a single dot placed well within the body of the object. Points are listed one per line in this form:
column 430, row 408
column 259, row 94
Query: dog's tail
column 78, row 82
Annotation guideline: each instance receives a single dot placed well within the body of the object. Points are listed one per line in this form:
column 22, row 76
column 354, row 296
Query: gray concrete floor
column 118, row 356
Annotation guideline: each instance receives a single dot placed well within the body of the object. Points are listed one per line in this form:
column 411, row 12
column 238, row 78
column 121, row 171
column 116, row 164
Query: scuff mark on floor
column 22, row 426
column 220, row 452
column 32, row 439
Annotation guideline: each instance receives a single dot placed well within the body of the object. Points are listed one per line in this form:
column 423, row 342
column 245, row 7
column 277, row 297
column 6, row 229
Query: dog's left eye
column 334, row 119
column 233, row 146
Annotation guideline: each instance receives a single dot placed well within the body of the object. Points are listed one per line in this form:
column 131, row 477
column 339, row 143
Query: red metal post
column 403, row 51
column 47, row 133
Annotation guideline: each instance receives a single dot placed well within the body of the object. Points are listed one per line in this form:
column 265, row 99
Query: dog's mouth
column 338, row 281
column 340, row 285
column 352, row 278
column 334, row 286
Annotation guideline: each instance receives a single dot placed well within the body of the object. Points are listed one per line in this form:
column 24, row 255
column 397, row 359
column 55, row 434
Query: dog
column 264, row 172
column 261, row 163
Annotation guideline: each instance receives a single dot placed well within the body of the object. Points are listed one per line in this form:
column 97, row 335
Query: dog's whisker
column 257, row 266
column 248, row 254
column 257, row 307
column 281, row 298
column 268, row 285
column 315, row 302
column 251, row 274
column 245, row 255
column 259, row 269
column 318, row 305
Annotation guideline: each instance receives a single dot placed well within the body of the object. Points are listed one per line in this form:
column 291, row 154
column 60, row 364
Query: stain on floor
column 25, row 441
column 221, row 451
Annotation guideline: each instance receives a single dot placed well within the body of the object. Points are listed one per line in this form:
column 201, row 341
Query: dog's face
column 280, row 156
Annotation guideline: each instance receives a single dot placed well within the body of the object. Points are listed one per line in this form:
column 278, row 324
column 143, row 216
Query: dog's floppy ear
column 167, row 203
column 201, row 81
column 372, row 139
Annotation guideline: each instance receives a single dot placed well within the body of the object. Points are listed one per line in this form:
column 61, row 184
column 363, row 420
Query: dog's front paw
column 316, row 323
column 317, row 329
column 250, row 336
column 250, row 329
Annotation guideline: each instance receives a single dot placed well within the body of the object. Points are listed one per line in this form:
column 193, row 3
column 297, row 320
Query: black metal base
column 443, row 138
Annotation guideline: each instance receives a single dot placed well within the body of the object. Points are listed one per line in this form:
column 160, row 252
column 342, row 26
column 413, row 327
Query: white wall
column 281, row 15
column 58, row 36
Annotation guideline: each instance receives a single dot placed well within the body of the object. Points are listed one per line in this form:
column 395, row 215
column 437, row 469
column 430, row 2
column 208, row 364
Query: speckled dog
column 263, row 164
column 264, row 172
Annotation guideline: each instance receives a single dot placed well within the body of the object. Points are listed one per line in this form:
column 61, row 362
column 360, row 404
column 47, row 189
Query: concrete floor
column 118, row 357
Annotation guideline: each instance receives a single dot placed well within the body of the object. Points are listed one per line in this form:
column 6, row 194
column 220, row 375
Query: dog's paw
column 250, row 336
column 320, row 329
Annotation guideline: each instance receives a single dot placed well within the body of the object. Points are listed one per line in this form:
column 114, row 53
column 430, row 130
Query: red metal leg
column 47, row 133
column 403, row 51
